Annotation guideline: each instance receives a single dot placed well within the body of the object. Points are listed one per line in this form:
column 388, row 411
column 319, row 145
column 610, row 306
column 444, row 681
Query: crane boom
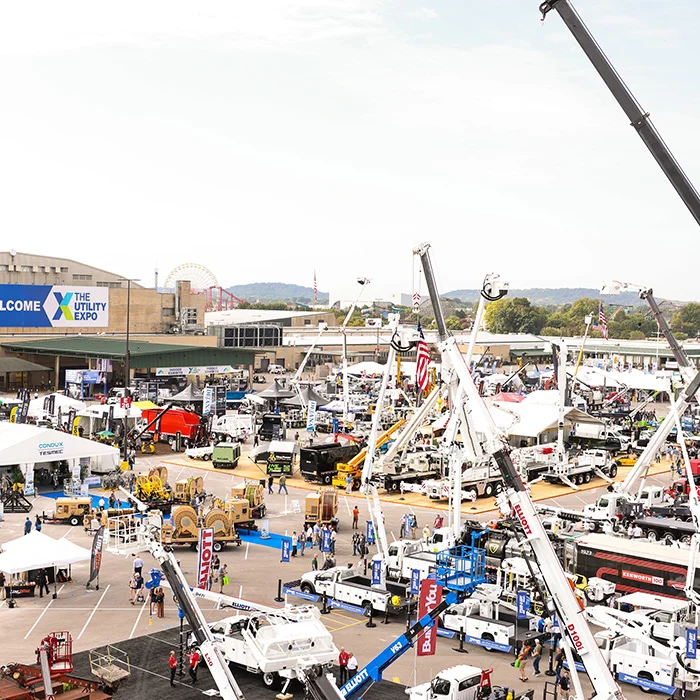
column 639, row 118
column 514, row 497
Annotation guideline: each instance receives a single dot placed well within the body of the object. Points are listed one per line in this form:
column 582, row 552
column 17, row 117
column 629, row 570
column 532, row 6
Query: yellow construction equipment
column 354, row 466
column 187, row 489
column 255, row 495
column 321, row 507
column 69, row 510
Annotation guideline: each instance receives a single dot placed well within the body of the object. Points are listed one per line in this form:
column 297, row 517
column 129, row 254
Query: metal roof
column 143, row 354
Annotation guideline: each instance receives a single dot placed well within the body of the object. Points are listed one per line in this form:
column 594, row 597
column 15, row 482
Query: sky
column 267, row 140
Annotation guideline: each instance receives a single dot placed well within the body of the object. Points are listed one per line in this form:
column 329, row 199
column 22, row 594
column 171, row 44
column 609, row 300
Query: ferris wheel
column 199, row 276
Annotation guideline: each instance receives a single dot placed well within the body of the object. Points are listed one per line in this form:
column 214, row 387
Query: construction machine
column 354, row 466
column 184, row 526
column 321, row 507
column 255, row 495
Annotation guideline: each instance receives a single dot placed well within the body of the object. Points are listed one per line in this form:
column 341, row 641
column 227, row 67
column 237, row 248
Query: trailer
column 318, row 463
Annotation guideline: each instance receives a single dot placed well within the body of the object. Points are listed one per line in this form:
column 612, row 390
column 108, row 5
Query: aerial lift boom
column 515, row 498
column 639, row 119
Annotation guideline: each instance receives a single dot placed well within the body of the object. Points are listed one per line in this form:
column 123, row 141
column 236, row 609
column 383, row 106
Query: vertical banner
column 522, row 604
column 25, row 407
column 96, row 554
column 370, row 532
column 71, row 418
column 110, row 417
column 208, row 400
column 376, row 572
column 220, row 400
column 415, row 582
column 691, row 644
column 325, row 540
column 430, row 597
column 52, row 404
column 75, row 428
column 206, row 552
column 286, row 548
column 59, row 418
column 13, row 414
column 311, row 417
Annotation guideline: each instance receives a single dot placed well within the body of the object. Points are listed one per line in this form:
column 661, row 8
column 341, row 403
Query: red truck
column 173, row 422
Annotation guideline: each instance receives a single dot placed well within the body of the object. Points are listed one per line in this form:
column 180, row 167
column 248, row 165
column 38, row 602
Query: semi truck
column 348, row 586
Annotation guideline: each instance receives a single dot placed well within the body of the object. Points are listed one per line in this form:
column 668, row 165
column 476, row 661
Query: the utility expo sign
column 45, row 306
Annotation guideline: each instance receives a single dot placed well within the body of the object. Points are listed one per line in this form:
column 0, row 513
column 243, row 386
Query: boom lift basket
column 461, row 568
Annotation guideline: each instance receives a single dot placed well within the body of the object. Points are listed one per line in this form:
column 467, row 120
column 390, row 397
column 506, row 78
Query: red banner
column 206, row 553
column 430, row 597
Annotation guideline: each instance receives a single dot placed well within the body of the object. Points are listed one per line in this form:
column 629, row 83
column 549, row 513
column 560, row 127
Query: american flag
column 422, row 361
column 315, row 288
column 602, row 322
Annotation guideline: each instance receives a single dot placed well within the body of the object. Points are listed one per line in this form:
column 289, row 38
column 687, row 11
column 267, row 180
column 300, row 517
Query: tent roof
column 28, row 443
column 309, row 395
column 37, row 550
column 17, row 364
column 530, row 420
column 276, row 391
column 66, row 403
column 189, row 393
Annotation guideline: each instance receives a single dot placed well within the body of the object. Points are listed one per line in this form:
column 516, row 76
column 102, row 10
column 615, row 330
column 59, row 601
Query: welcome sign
column 57, row 306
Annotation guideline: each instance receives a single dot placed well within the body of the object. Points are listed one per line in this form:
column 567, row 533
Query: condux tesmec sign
column 45, row 306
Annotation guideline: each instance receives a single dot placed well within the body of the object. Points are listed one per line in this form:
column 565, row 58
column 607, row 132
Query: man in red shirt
column 343, row 659
column 173, row 667
column 194, row 662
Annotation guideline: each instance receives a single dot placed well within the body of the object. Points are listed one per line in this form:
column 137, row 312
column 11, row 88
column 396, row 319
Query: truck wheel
column 206, row 457
column 218, row 546
column 270, row 680
column 613, row 471
column 578, row 479
column 651, row 535
column 394, row 486
column 307, row 588
column 73, row 520
column 327, row 479
column 488, row 637
column 586, row 478
column 646, row 676
column 489, row 490
column 668, row 538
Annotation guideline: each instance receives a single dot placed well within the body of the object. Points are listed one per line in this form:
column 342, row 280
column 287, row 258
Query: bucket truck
column 550, row 577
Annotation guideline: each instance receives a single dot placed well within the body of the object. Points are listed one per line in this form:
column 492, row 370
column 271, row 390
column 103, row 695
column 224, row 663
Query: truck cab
column 456, row 683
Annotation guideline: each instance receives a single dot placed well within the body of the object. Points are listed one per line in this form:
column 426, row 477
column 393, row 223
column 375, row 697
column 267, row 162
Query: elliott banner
column 206, row 553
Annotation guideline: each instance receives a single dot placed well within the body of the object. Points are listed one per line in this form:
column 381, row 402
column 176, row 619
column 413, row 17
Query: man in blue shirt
column 27, row 526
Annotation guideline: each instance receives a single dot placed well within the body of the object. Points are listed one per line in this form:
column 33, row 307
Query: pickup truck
column 463, row 683
column 407, row 555
column 347, row 586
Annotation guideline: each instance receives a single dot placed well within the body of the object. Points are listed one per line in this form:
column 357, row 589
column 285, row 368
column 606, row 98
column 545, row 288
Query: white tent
column 65, row 403
column 37, row 550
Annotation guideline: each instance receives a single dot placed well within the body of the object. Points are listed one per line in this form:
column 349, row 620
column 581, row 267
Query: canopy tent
column 188, row 395
column 39, row 551
column 308, row 394
column 65, row 403
column 634, row 379
column 118, row 413
column 337, row 407
column 275, row 391
column 28, row 444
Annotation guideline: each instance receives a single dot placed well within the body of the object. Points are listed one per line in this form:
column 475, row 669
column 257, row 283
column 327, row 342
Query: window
column 81, row 278
column 111, row 285
column 469, row 682
column 64, row 269
column 26, row 268
column 4, row 268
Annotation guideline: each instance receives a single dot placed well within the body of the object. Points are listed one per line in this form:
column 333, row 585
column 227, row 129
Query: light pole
column 127, row 360
column 362, row 281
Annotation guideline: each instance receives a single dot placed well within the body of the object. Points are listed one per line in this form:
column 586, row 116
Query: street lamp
column 127, row 357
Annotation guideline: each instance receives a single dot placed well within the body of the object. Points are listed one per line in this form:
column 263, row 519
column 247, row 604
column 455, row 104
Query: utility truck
column 463, row 683
column 347, row 586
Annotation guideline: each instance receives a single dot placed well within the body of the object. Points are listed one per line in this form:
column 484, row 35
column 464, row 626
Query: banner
column 522, row 604
column 24, row 410
column 208, row 399
column 184, row 371
column 311, row 417
column 96, row 554
column 14, row 412
column 691, row 644
column 52, row 403
column 206, row 552
column 370, row 532
column 415, row 581
column 46, row 306
column 110, row 417
column 325, row 540
column 376, row 572
column 286, row 548
column 84, row 376
column 430, row 597
column 75, row 428
column 220, row 400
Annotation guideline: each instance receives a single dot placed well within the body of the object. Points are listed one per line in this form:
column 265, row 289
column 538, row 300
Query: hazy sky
column 265, row 139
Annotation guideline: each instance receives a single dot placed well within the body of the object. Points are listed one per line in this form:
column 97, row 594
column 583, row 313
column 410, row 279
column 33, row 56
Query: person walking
column 352, row 665
column 215, row 568
column 343, row 659
column 564, row 685
column 42, row 580
column 270, row 482
column 314, row 562
column 355, row 516
column 223, row 578
column 172, row 662
column 193, row 662
column 522, row 661
column 101, row 503
column 310, row 537
column 317, row 535
column 558, row 664
column 348, row 483
column 138, row 565
column 160, row 602
column 537, row 656
column 295, row 542
column 256, row 440
column 283, row 484
column 37, row 524
column 334, row 537
column 302, row 541
column 355, row 542
column 133, row 587
column 27, row 526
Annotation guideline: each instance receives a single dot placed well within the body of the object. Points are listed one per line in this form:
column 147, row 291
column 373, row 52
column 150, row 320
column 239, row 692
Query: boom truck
column 549, row 576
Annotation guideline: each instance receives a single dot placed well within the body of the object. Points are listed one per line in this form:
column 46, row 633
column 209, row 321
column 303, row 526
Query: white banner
column 206, row 552
column 311, row 417
column 208, row 399
column 184, row 371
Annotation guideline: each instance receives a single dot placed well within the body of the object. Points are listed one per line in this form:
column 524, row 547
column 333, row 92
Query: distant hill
column 553, row 297
column 277, row 291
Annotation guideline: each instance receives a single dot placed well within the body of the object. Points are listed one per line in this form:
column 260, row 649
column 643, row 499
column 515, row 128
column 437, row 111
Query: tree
column 453, row 323
column 687, row 320
column 514, row 315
